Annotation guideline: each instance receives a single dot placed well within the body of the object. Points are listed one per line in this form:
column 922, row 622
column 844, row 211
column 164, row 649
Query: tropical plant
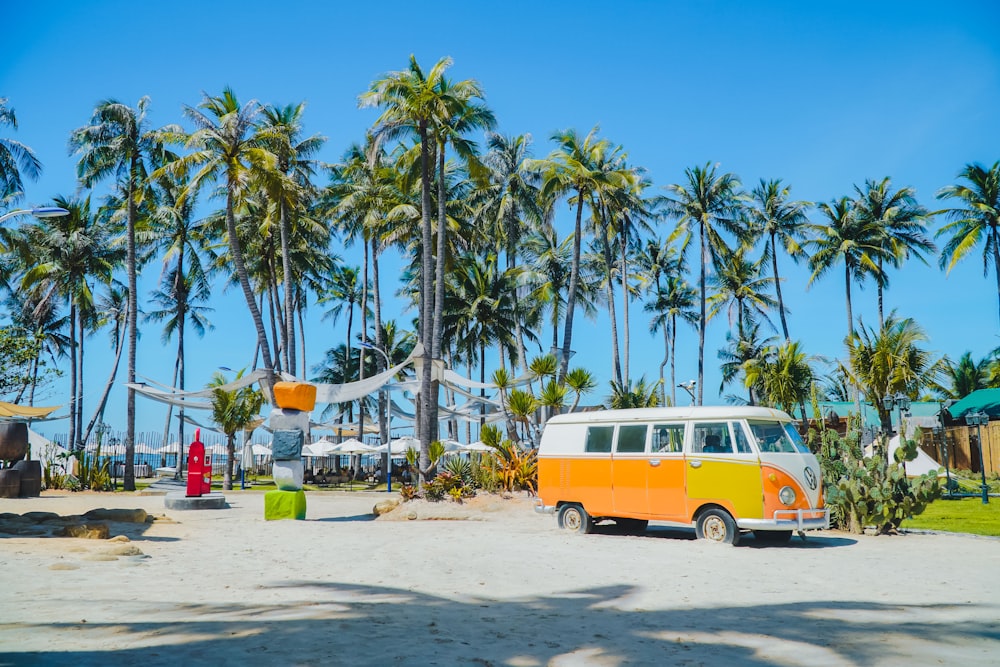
column 779, row 221
column 965, row 376
column 900, row 223
column 784, row 376
column 890, row 360
column 234, row 410
column 639, row 395
column 119, row 143
column 706, row 203
column 576, row 168
column 515, row 468
column 16, row 159
column 975, row 221
column 845, row 238
column 580, row 381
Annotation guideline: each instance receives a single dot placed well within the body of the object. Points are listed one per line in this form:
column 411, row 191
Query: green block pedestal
column 284, row 505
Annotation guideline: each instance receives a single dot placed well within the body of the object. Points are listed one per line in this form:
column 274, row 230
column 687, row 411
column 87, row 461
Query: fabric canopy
column 13, row 411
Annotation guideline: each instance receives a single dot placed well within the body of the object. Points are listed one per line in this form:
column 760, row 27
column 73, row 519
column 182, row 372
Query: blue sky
column 821, row 95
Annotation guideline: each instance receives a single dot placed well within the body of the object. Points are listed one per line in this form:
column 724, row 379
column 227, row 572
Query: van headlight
column 786, row 495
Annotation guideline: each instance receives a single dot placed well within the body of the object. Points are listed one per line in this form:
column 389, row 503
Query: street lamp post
column 381, row 392
column 940, row 433
column 40, row 212
column 901, row 401
column 979, row 419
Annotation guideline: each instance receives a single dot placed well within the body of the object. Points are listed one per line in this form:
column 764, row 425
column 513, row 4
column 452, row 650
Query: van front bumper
column 790, row 520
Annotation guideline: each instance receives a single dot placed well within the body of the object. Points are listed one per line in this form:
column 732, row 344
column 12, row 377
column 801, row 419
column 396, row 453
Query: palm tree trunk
column 777, row 288
column 302, row 339
column 364, row 339
column 847, row 287
column 996, row 259
column 383, row 419
column 616, row 364
column 673, row 359
column 79, row 377
column 427, row 415
column 73, row 407
column 625, row 302
column 273, row 308
column 99, row 412
column 128, row 483
column 236, row 250
column 288, row 339
column 574, row 284
column 701, row 320
column 878, row 285
column 180, row 413
column 666, row 360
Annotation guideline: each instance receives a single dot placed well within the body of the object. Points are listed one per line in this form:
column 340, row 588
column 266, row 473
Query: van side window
column 712, row 438
column 631, row 438
column 599, row 438
column 742, row 444
column 668, row 438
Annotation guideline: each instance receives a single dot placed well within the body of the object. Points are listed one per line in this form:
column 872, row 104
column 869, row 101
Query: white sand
column 226, row 587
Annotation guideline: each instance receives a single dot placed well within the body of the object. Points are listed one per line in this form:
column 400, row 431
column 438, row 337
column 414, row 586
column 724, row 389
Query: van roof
column 658, row 414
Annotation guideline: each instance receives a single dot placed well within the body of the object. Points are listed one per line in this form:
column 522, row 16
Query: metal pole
column 982, row 467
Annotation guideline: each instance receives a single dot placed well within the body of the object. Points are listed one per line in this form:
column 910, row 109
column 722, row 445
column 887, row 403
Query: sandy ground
column 503, row 587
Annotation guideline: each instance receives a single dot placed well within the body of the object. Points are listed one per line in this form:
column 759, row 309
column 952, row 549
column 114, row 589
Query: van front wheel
column 716, row 525
column 574, row 518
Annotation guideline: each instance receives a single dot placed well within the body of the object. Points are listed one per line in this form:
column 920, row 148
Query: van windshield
column 777, row 437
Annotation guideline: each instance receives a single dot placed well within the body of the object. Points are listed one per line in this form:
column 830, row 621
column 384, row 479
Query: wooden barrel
column 13, row 440
column 10, row 483
column 31, row 478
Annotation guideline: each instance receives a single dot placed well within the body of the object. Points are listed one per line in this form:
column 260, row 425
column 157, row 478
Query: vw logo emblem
column 810, row 478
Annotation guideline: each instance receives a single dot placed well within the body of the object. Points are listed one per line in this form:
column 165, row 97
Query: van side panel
column 665, row 483
column 629, row 481
column 731, row 481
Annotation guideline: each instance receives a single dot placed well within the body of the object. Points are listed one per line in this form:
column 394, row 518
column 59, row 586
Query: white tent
column 43, row 449
column 399, row 446
column 353, row 446
column 921, row 465
column 477, row 446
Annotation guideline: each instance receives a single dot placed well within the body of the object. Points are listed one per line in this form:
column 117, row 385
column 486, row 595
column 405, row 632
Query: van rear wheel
column 715, row 525
column 574, row 518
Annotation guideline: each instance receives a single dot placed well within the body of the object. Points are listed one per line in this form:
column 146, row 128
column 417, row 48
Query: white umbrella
column 261, row 450
column 320, row 448
column 399, row 446
column 477, row 446
column 452, row 445
column 353, row 446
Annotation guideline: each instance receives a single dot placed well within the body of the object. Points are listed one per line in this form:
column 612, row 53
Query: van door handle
column 654, row 462
column 695, row 464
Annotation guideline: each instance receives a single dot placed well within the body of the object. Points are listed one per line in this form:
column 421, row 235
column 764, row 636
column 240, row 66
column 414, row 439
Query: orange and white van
column 721, row 469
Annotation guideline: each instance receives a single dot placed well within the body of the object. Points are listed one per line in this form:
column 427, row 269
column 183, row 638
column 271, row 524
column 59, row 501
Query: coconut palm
column 228, row 145
column 576, row 168
column 738, row 354
column 284, row 129
column 675, row 299
column 845, row 238
column 16, row 160
column 741, row 287
column 777, row 219
column 965, row 376
column 63, row 258
column 119, row 143
column 890, row 360
column 784, row 375
column 976, row 219
column 900, row 222
column 706, row 203
column 232, row 411
column 640, row 395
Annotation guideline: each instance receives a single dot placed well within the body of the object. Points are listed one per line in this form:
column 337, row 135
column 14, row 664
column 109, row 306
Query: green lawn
column 963, row 515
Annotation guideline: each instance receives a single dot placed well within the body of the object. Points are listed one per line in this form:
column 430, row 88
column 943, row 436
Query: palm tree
column 119, row 143
column 845, row 238
column 784, row 376
column 228, row 145
column 739, row 353
column 16, row 159
column 976, row 220
column 580, row 382
column 965, row 376
column 676, row 299
column 890, row 360
column 741, row 288
column 641, row 395
column 62, row 258
column 409, row 104
column 233, row 410
column 778, row 220
column 575, row 169
column 706, row 202
column 900, row 222
column 284, row 129
column 343, row 292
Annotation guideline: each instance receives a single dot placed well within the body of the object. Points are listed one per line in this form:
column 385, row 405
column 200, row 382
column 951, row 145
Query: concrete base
column 178, row 500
